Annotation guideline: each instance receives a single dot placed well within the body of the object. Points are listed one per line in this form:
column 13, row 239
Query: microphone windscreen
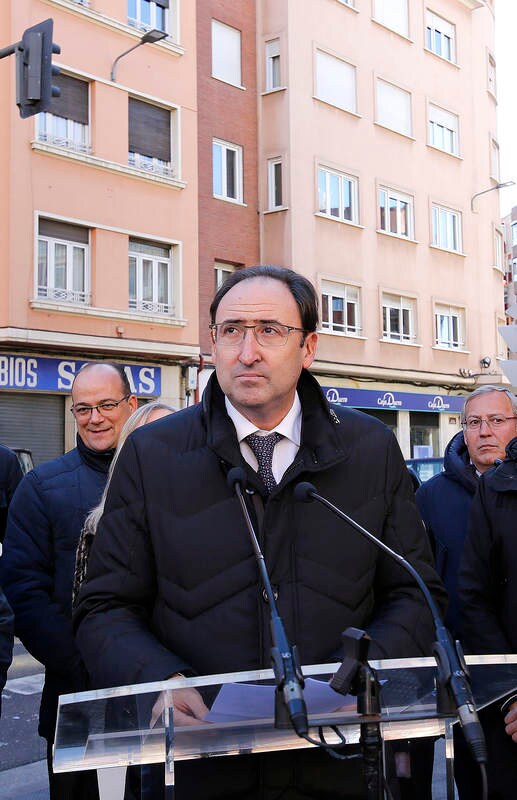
column 236, row 476
column 303, row 492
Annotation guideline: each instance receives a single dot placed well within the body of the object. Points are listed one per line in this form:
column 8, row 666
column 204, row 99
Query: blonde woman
column 142, row 416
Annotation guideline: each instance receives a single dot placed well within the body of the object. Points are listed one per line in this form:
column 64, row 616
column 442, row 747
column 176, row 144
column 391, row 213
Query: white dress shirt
column 285, row 450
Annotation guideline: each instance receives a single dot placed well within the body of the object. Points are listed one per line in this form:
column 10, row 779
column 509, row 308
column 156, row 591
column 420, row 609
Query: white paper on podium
column 239, row 701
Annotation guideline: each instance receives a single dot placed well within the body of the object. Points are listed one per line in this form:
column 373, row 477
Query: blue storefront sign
column 35, row 373
column 393, row 401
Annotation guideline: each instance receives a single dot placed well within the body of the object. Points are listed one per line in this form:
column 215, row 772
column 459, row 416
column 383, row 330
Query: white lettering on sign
column 66, row 371
column 388, row 399
column 18, row 371
column 146, row 380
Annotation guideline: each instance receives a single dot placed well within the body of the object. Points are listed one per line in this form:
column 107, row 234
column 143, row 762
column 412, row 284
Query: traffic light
column 34, row 69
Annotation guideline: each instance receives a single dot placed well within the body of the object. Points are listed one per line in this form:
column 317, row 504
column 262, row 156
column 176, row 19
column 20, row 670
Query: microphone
column 448, row 654
column 288, row 675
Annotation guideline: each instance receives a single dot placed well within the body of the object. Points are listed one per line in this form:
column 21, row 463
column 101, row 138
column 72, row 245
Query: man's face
column 261, row 381
column 100, row 431
column 486, row 444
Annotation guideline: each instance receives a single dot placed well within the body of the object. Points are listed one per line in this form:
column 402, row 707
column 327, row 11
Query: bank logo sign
column 35, row 373
column 393, row 401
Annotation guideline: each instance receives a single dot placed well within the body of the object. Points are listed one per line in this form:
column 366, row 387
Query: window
column 491, row 76
column 440, row 36
column 222, row 272
column 337, row 195
column 63, row 268
column 150, row 277
column 494, row 160
column 514, row 234
column 393, row 14
column 226, row 53
column 502, row 347
column 149, row 14
column 335, row 82
column 273, row 74
column 393, row 107
column 227, row 170
column 443, row 130
column 514, row 269
column 149, row 137
column 446, row 228
column 498, row 250
column 274, row 183
column 395, row 213
column 340, row 311
column 66, row 123
column 398, row 318
column 449, row 327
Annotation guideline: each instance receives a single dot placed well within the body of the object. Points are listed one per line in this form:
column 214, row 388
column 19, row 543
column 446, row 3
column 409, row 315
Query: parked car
column 424, row 468
column 25, row 459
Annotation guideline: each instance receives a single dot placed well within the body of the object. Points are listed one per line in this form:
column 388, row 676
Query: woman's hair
column 136, row 420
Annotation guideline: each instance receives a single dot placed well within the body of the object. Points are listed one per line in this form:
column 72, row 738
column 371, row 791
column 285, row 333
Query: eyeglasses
column 267, row 334
column 106, row 408
column 494, row 421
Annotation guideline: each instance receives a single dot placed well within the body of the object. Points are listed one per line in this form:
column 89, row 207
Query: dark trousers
column 71, row 785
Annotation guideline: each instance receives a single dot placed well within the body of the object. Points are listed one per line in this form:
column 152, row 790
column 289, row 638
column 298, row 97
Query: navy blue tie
column 263, row 447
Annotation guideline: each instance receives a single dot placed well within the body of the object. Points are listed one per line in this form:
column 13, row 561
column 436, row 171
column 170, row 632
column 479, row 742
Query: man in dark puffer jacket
column 172, row 582
column 43, row 526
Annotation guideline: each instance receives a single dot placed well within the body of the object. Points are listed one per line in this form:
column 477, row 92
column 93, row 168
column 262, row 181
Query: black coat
column 444, row 502
column 172, row 581
column 487, row 585
column 488, row 596
column 37, row 566
column 6, row 641
column 10, row 477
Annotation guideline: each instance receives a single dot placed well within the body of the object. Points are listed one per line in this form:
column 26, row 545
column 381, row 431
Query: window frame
column 495, row 162
column 337, row 290
column 152, row 306
column 227, row 147
column 152, row 163
column 272, row 52
column 380, row 7
column 272, row 183
column 225, row 77
column 347, row 65
column 401, row 303
column 450, row 312
column 399, row 197
column 220, row 269
column 499, row 249
column 343, row 178
column 430, row 32
column 433, row 126
column 437, row 211
column 68, row 294
column 137, row 22
column 381, row 114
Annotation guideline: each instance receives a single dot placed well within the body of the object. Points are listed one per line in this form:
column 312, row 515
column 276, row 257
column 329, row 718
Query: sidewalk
column 28, row 782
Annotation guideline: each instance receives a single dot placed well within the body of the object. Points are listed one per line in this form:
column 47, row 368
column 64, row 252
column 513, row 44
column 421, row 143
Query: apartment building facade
column 350, row 141
column 98, row 213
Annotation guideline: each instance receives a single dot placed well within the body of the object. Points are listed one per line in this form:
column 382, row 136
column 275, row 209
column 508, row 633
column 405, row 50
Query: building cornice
column 83, row 343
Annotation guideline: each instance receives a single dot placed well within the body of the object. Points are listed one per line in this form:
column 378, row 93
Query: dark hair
column 119, row 369
column 300, row 287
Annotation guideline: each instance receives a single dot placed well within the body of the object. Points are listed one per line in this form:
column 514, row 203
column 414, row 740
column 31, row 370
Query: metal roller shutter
column 33, row 422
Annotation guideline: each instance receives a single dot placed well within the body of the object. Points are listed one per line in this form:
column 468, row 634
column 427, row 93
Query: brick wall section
column 227, row 232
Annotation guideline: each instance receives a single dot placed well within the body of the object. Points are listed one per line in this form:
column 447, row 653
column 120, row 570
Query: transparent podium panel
column 135, row 724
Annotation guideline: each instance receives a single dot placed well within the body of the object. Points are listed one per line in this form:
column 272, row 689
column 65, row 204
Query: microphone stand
column 290, row 706
column 356, row 676
column 454, row 693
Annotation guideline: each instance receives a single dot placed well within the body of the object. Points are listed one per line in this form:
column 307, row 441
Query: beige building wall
column 304, row 126
column 96, row 189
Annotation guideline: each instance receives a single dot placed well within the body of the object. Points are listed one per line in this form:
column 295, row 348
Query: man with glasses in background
column 43, row 526
column 172, row 577
column 488, row 596
column 489, row 422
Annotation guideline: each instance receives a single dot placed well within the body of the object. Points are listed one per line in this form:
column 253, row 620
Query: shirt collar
column 290, row 427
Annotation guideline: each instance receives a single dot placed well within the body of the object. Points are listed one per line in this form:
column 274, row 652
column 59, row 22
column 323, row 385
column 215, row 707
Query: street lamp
column 492, row 188
column 148, row 38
